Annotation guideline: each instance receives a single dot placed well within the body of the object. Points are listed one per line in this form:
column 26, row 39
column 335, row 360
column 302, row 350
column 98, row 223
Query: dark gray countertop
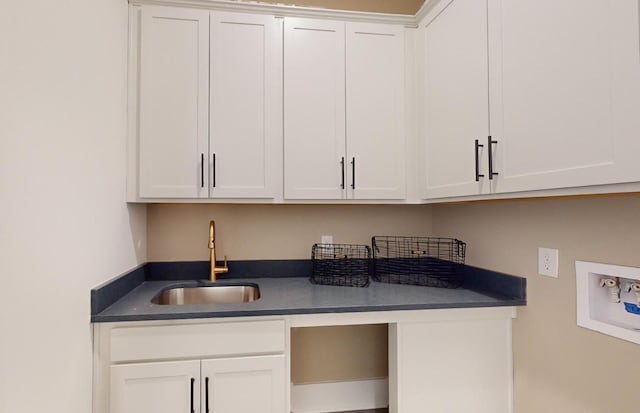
column 296, row 295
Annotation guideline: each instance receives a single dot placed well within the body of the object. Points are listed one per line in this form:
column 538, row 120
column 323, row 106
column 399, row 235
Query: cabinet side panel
column 455, row 367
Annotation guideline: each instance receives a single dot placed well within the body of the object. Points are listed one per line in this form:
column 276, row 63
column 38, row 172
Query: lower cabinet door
column 170, row 387
column 457, row 366
column 244, row 385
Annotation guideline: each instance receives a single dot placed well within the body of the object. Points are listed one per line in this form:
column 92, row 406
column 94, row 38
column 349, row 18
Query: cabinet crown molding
column 281, row 10
column 427, row 7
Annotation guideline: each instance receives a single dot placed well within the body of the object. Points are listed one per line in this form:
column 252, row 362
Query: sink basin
column 212, row 294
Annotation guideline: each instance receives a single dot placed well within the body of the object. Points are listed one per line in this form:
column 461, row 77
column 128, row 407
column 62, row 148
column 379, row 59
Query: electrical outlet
column 326, row 239
column 548, row 262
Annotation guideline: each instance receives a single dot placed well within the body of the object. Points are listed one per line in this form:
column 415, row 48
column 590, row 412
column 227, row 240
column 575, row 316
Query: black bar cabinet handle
column 206, row 394
column 490, row 144
column 214, row 170
column 353, row 173
column 478, row 174
column 193, row 410
column 202, row 170
column 342, row 171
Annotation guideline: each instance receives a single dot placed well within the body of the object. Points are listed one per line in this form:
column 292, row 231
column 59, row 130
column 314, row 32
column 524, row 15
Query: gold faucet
column 212, row 256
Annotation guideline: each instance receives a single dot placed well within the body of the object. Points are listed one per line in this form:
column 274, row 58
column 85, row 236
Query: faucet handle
column 225, row 262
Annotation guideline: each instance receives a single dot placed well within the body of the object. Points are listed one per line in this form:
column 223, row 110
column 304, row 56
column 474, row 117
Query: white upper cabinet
column 455, row 100
column 559, row 80
column 246, row 73
column 510, row 97
column 210, row 104
column 375, row 111
column 173, row 103
column 314, row 109
column 564, row 93
column 343, row 110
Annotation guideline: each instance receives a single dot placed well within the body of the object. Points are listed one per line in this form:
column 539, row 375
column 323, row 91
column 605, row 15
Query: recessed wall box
column 596, row 310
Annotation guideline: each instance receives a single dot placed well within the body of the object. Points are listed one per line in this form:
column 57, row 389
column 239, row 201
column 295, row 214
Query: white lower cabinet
column 193, row 386
column 171, row 387
column 244, row 384
column 191, row 366
column 440, row 361
column 456, row 366
column 456, row 360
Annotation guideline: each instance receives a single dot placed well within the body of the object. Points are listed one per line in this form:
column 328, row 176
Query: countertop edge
column 316, row 310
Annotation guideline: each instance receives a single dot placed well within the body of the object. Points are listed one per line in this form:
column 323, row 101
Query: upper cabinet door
column 455, row 101
column 565, row 93
column 375, row 111
column 246, row 88
column 173, row 103
column 314, row 109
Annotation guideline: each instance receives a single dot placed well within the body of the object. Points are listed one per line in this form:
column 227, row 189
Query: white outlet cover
column 326, row 239
column 548, row 262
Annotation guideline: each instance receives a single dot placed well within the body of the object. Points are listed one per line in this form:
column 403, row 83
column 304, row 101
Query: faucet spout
column 212, row 234
column 212, row 254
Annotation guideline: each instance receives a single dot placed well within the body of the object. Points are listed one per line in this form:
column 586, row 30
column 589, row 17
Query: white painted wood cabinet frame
column 561, row 102
column 191, row 364
column 453, row 360
column 561, row 108
column 205, row 105
column 344, row 111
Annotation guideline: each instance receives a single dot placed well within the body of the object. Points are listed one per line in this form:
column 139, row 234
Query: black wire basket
column 346, row 265
column 427, row 261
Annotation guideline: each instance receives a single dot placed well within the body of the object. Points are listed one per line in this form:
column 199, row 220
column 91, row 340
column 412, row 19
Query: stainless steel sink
column 212, row 294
